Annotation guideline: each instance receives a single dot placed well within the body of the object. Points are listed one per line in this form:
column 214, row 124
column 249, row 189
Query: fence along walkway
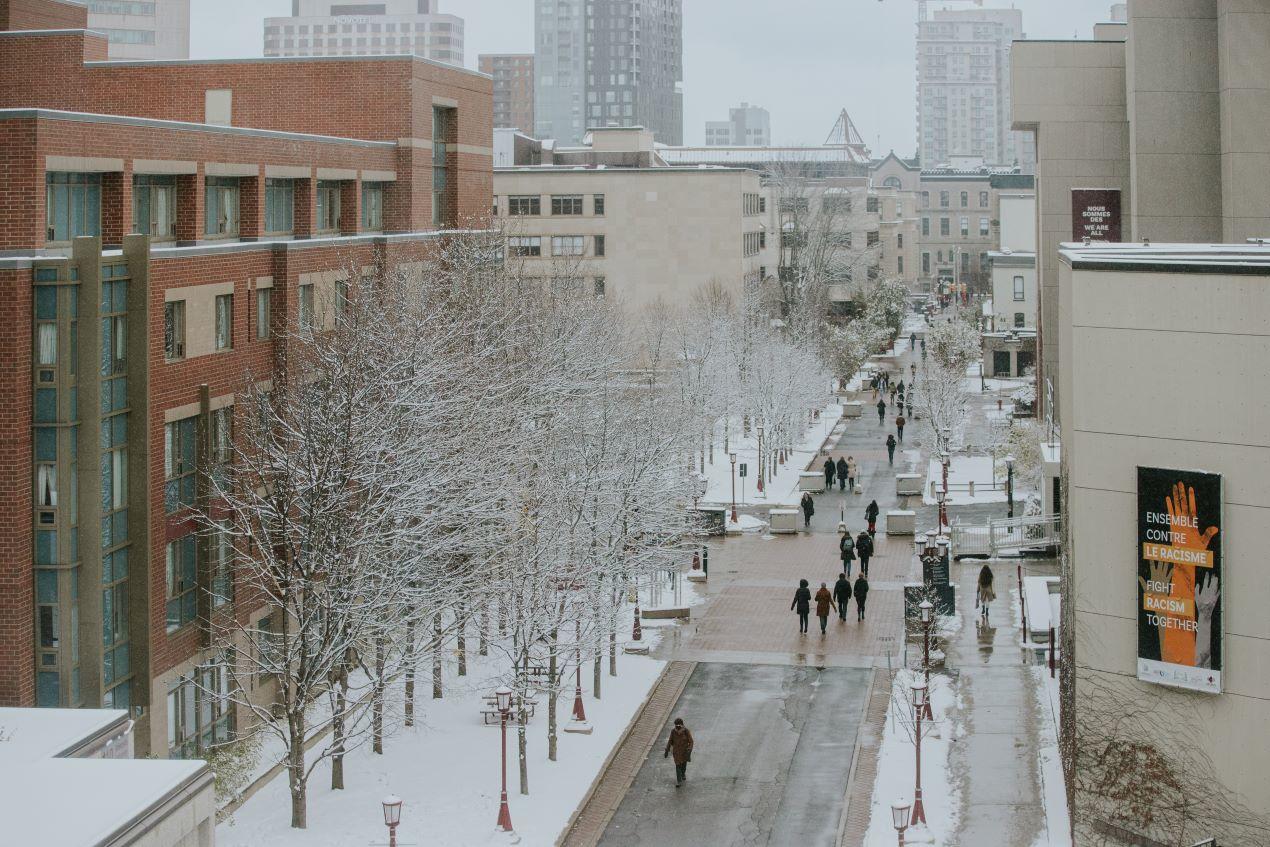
column 1005, row 535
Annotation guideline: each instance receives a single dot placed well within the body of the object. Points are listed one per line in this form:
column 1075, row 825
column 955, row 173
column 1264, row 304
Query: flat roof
column 1251, row 258
column 621, row 169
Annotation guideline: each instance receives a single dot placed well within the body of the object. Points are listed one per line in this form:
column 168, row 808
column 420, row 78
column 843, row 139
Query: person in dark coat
column 912, row 339
column 899, row 426
column 881, row 411
column 842, row 594
column 680, row 744
column 901, row 386
column 824, row 603
column 871, row 515
column 846, row 550
column 864, row 549
column 861, row 593
column 802, row 604
column 831, row 470
column 842, row 474
column 890, row 449
column 809, row 508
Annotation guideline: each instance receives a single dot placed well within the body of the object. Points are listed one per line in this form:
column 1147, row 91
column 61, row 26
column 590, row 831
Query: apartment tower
column 143, row 29
column 388, row 28
column 513, row 75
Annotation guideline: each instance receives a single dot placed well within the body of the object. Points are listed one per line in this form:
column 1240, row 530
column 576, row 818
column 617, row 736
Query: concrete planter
column 853, row 409
column 812, row 481
column 908, row 484
column 784, row 521
column 901, row 522
column 664, row 614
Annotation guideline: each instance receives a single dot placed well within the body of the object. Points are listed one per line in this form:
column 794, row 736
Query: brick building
column 161, row 223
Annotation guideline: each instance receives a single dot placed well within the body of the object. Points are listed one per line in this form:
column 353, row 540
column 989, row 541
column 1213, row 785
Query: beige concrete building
column 143, row 29
column 386, row 28
column 1014, row 292
column 638, row 230
column 1170, row 109
column 1163, row 354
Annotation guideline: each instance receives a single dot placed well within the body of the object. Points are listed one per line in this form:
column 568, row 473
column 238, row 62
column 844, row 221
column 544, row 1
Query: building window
column 566, row 204
column 306, row 308
column 568, row 245
column 965, row 227
column 899, row 264
column 871, row 239
column 73, row 205
column 264, row 312
column 925, row 199
column 179, row 460
column 1018, row 289
column 599, row 286
column 983, row 199
column 943, row 226
column 279, row 205
column 943, row 199
column 199, row 717
column 220, row 206
column 524, row 205
column 182, row 597
column 328, row 206
column 524, row 246
column 965, row 199
column 599, row 245
column 899, row 241
column 154, row 206
column 925, row 263
column 222, row 553
column 174, row 330
column 965, row 263
column 1019, row 320
column 871, row 205
column 925, row 226
column 224, row 321
column 598, row 205
column 373, row 206
column 443, row 133
column 983, row 226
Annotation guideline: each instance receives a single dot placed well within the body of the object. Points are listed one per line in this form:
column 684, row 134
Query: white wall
column 1018, row 222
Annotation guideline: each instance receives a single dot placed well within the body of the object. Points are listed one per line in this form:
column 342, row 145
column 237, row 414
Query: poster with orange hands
column 1179, row 578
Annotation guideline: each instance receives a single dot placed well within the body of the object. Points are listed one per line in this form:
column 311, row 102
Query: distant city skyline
column 804, row 64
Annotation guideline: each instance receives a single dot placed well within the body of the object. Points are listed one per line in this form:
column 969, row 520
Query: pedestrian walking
column 871, row 514
column 852, row 469
column 899, row 426
column 890, row 449
column 831, row 471
column 842, row 473
column 802, row 605
column 923, row 349
column 861, row 592
column 824, row 602
column 901, row 386
column 864, row 549
column 846, row 550
column 892, row 395
column 679, row 744
column 842, row 594
column 987, row 593
column 881, row 411
column 912, row 340
column 913, row 370
column 809, row 509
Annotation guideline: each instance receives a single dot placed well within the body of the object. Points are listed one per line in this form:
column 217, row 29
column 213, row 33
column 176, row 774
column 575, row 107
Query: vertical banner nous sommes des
column 1179, row 578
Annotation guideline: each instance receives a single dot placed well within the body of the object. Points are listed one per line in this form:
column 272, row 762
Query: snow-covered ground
column 446, row 768
column 783, row 489
column 1053, row 793
column 896, row 761
column 962, row 471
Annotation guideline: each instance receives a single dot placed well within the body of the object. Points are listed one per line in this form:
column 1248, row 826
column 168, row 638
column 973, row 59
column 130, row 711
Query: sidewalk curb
column 568, row 832
column 858, row 753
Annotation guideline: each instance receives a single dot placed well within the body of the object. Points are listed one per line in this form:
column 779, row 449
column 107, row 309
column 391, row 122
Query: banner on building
column 1180, row 578
column 1096, row 214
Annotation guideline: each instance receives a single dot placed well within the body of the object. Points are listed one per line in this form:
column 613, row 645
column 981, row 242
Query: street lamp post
column 899, row 818
column 637, row 632
column 392, row 817
column 735, row 519
column 942, row 496
column 928, row 618
column 760, row 458
column 1009, row 484
column 579, row 711
column 504, row 698
column 919, row 706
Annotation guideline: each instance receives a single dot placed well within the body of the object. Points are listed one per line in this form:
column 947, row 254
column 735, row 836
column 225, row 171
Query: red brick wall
column 42, row 14
column 17, row 587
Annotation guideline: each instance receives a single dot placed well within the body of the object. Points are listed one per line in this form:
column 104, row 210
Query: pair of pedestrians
column 849, row 548
column 825, row 603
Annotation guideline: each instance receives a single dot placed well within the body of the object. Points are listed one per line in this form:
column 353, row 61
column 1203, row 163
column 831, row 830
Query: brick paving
column 865, row 768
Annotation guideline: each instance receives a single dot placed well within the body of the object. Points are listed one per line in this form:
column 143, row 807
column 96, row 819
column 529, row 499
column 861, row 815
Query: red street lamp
column 942, row 496
column 392, row 817
column 919, row 706
column 579, row 711
column 735, row 519
column 760, row 459
column 928, row 616
column 504, row 699
column 637, row 632
column 899, row 818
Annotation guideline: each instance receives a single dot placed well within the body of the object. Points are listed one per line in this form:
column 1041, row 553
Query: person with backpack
column 890, row 449
column 864, row 549
column 871, row 514
column 846, row 549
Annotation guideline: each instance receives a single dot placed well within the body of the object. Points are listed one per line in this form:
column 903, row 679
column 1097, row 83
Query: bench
column 492, row 716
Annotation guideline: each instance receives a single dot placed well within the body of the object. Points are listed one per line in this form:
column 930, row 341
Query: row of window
column 952, row 254
column 985, row 227
column 944, row 197
column 73, row 206
column 530, row 246
column 753, row 204
column 174, row 321
column 530, row 205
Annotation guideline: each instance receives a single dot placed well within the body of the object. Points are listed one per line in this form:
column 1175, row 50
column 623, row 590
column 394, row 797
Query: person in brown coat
column 680, row 743
column 824, row 602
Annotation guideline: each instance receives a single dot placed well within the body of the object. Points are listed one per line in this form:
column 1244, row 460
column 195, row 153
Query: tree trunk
column 597, row 674
column 436, row 656
column 410, row 674
column 522, row 747
column 377, row 702
column 295, row 770
column 337, row 732
column 484, row 636
column 613, row 648
column 552, row 695
column 462, row 640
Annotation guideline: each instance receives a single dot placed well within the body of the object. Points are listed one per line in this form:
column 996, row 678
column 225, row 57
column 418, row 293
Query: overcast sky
column 804, row 60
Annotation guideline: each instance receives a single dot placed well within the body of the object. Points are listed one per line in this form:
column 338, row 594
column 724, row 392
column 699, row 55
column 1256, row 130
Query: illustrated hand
column 1158, row 574
column 1181, row 506
column 1178, row 645
column 1206, row 597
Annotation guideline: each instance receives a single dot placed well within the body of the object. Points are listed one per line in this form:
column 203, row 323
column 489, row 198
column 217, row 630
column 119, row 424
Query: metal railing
column 1005, row 535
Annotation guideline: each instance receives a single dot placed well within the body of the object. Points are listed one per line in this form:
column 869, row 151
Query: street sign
column 743, row 470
